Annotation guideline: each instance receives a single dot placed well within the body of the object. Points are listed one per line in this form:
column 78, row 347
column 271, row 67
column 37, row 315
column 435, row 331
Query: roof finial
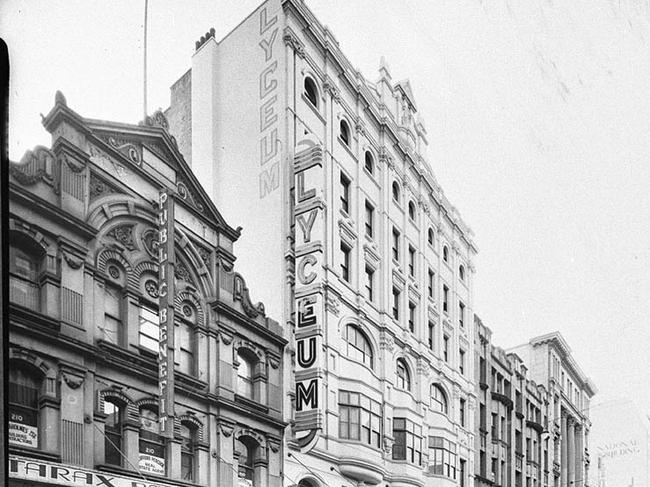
column 59, row 99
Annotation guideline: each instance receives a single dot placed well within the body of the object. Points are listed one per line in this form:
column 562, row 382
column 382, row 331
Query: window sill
column 251, row 403
column 347, row 147
column 313, row 108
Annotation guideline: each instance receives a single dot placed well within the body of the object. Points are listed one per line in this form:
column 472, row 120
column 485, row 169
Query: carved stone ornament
column 293, row 42
column 388, row 445
column 242, row 294
column 124, row 235
column 274, row 362
column 33, row 166
column 332, row 304
column 186, row 195
column 225, row 337
column 387, row 343
column 98, row 187
column 182, row 273
column 205, row 255
column 150, row 242
column 151, row 287
column 72, row 381
column 226, row 429
column 274, row 446
column 71, row 261
column 158, row 119
column 126, row 148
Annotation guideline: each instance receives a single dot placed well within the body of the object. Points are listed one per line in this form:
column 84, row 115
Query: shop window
column 23, row 396
column 152, row 444
column 245, row 449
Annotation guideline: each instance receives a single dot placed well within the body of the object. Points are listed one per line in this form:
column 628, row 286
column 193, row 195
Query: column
column 571, row 452
column 563, row 455
column 580, row 450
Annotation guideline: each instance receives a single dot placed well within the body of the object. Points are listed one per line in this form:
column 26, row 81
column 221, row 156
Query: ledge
column 503, row 399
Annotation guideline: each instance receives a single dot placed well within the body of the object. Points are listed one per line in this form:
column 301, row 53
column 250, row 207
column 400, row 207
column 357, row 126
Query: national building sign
column 309, row 227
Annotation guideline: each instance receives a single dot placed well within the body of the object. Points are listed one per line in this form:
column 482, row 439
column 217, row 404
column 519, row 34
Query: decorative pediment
column 100, row 188
column 130, row 149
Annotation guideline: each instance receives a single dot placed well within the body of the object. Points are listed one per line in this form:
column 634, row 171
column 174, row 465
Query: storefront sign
column 70, row 476
column 23, row 428
column 166, row 259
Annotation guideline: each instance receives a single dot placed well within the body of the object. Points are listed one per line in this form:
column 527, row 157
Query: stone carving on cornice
column 242, row 294
column 274, row 362
column 72, row 381
column 423, row 367
column 126, row 147
column 386, row 158
column 471, row 267
column 291, row 40
column 158, row 119
column 182, row 273
column 124, row 235
column 73, row 262
column 226, row 429
column 186, row 195
column 274, row 445
column 33, row 167
column 150, row 242
column 332, row 304
column 225, row 336
column 360, row 126
column 388, row 445
column 98, row 187
column 386, row 342
column 330, row 87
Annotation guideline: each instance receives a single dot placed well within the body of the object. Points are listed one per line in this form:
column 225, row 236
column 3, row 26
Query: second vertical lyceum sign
column 309, row 238
column 166, row 262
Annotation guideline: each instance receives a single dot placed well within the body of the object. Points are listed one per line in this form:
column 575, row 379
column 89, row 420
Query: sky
column 538, row 120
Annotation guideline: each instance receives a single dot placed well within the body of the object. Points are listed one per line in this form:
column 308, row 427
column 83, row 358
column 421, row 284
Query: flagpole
column 144, row 67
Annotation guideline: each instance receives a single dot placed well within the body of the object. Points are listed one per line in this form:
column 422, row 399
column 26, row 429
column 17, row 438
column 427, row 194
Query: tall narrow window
column 152, row 445
column 23, row 395
column 113, row 433
column 445, row 253
column 403, row 376
column 411, row 261
column 461, row 472
column 187, row 452
column 439, row 399
column 412, row 210
column 396, row 294
column 345, row 132
column 412, row 316
column 345, row 193
column 432, row 331
column 430, row 283
column 396, row 236
column 113, row 331
column 445, row 298
column 396, row 192
column 370, row 216
column 370, row 162
column 311, row 92
column 461, row 314
column 445, row 348
column 370, row 284
column 245, row 374
column 430, row 236
column 24, row 289
column 461, row 410
column 408, row 441
column 245, row 451
column 345, row 262
column 461, row 361
column 358, row 346
column 461, row 272
column 149, row 328
column 184, row 343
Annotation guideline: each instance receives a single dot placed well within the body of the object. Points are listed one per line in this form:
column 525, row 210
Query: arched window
column 358, row 345
column 411, row 210
column 345, row 132
column 23, row 395
column 24, row 268
column 245, row 450
column 403, row 376
column 430, row 236
column 311, row 92
column 187, row 435
column 245, row 374
column 396, row 191
column 370, row 162
column 445, row 253
column 461, row 272
column 113, row 431
column 438, row 399
column 152, row 445
column 184, row 339
column 306, row 483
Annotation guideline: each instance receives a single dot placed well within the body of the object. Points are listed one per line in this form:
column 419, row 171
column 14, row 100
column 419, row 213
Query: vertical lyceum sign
column 309, row 230
column 166, row 311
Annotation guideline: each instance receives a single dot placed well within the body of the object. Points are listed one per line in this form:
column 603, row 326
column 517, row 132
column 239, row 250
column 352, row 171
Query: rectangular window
column 370, row 211
column 445, row 298
column 442, row 457
column 396, row 236
column 183, row 342
column 432, row 329
column 461, row 472
column 359, row 418
column 461, row 361
column 461, row 314
column 411, row 261
column 345, row 262
column 430, row 285
column 412, row 314
column 149, row 328
column 408, row 441
column 445, row 348
column 370, row 277
column 495, row 427
column 396, row 303
column 345, row 193
column 113, row 315
column 462, row 412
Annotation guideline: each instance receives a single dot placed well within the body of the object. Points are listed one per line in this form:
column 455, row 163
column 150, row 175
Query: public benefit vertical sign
column 309, row 228
column 166, row 262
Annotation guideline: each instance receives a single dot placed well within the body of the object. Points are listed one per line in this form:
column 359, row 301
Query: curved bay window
column 187, row 435
column 245, row 452
column 408, row 441
column 358, row 346
column 24, row 267
column 113, row 432
column 439, row 400
column 359, row 418
column 24, row 387
column 403, row 376
column 152, row 445
column 442, row 457
column 245, row 370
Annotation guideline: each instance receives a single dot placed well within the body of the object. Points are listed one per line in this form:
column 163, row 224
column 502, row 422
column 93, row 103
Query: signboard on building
column 23, row 427
column 166, row 260
column 43, row 472
column 309, row 238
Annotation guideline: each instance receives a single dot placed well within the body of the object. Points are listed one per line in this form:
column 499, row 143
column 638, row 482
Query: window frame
column 368, row 414
column 366, row 350
column 402, row 381
column 408, row 443
column 345, row 132
column 369, row 160
column 346, row 262
column 438, row 398
column 314, row 101
column 345, row 182
column 369, row 219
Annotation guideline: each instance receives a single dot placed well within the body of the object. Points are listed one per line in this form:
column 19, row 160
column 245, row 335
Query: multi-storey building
column 349, row 239
column 570, row 391
column 136, row 355
column 513, row 447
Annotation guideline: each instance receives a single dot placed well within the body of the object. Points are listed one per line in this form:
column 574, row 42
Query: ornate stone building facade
column 350, row 240
column 87, row 253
